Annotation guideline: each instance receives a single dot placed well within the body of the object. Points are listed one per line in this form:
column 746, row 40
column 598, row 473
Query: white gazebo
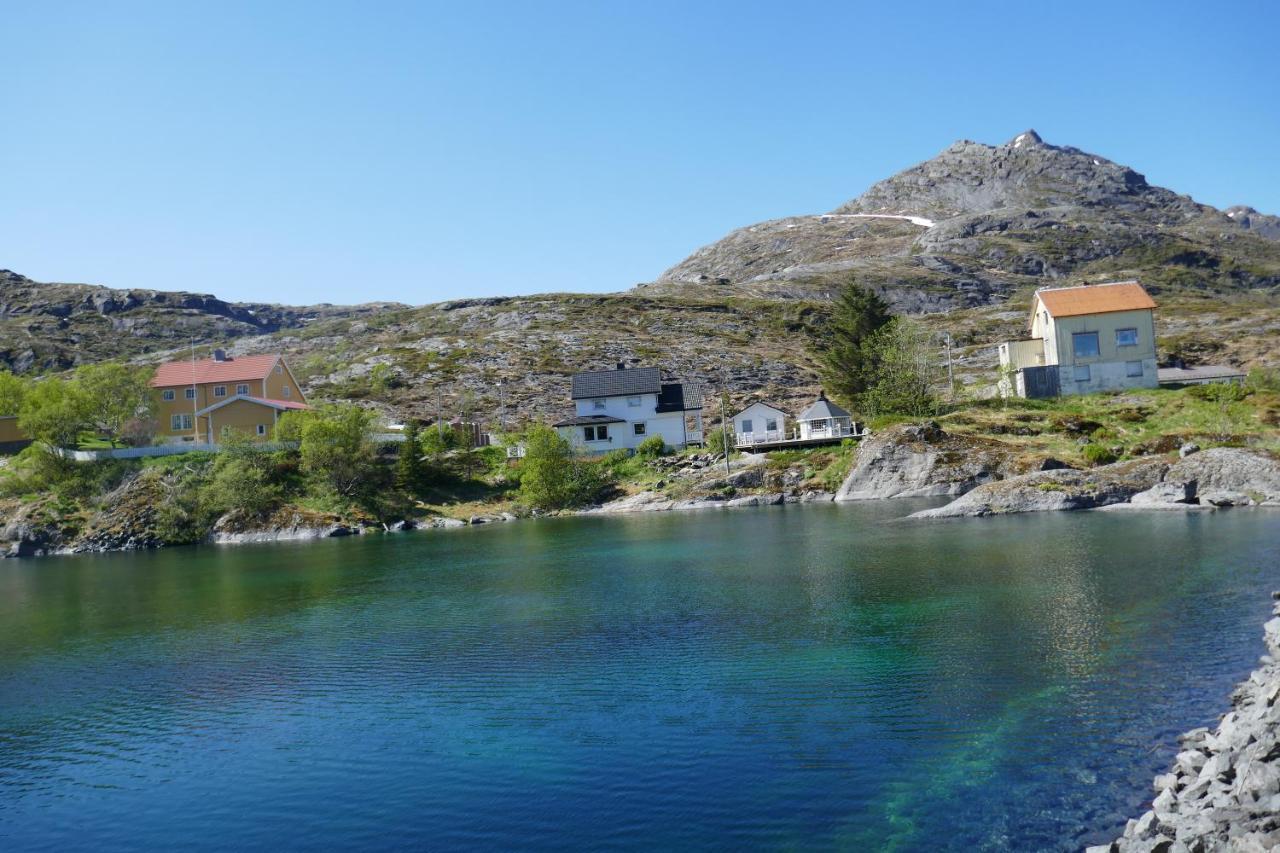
column 824, row 419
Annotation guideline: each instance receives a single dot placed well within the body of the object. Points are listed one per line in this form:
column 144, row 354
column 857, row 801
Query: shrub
column 717, row 440
column 653, row 447
column 1096, row 454
column 1264, row 379
column 550, row 478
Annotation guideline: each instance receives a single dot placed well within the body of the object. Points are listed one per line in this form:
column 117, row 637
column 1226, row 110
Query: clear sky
column 346, row 152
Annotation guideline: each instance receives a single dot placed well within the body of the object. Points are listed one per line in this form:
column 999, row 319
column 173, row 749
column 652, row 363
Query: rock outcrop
column 1223, row 793
column 1041, row 491
column 1218, row 477
column 914, row 460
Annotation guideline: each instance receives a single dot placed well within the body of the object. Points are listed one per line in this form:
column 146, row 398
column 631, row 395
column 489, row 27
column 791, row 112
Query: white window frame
column 771, row 425
column 167, row 395
column 219, row 390
column 1075, row 350
column 284, row 390
column 595, row 432
column 599, row 405
column 1081, row 368
column 242, row 390
column 179, row 422
column 190, row 393
column 638, row 428
column 1121, row 343
column 262, row 429
column 1131, row 366
column 748, row 425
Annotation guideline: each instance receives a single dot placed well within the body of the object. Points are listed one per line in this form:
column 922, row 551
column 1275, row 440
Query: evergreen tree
column 846, row 368
column 410, row 468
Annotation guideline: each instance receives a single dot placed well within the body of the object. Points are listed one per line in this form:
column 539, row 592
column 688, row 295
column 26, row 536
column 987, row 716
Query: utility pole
column 195, row 407
column 951, row 379
column 439, row 416
column 502, row 409
column 724, row 422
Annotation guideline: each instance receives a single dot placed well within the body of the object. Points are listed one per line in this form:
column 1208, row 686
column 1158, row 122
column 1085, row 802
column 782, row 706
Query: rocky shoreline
column 1223, row 792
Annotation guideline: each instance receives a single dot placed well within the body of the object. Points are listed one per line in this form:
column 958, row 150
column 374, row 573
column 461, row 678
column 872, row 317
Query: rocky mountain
column 979, row 222
column 961, row 239
column 55, row 326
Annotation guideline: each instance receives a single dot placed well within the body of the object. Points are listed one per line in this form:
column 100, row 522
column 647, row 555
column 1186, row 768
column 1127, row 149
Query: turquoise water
column 816, row 677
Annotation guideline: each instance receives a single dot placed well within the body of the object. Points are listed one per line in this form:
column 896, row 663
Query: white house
column 759, row 423
column 621, row 408
column 824, row 419
column 1082, row 339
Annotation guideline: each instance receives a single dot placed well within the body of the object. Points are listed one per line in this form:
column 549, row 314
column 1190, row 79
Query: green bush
column 1219, row 392
column 550, row 478
column 653, row 447
column 1096, row 454
column 1264, row 379
column 717, row 440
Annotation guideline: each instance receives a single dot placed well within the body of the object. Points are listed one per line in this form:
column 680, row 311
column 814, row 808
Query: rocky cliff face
column 977, row 222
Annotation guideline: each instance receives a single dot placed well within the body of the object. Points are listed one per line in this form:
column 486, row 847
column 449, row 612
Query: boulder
column 913, row 460
column 1231, row 471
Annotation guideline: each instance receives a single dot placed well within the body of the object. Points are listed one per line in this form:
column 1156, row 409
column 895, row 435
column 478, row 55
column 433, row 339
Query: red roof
column 242, row 369
column 1095, row 299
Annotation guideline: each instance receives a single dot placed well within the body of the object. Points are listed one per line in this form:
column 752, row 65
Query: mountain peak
column 1026, row 139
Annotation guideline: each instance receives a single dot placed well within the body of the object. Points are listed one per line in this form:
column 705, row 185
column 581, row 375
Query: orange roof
column 1095, row 299
column 243, row 369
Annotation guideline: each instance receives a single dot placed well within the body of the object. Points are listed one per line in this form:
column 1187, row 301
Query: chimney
column 219, row 355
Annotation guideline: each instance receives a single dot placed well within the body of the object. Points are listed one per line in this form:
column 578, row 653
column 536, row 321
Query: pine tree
column 859, row 313
column 410, row 469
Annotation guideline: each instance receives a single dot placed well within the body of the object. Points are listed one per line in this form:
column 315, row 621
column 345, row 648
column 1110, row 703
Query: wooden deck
column 788, row 443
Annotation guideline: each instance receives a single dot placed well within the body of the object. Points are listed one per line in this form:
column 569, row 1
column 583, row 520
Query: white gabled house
column 621, row 408
column 759, row 423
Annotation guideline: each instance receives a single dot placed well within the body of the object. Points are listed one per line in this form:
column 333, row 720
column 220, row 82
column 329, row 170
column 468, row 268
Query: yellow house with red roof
column 1095, row 337
column 204, row 400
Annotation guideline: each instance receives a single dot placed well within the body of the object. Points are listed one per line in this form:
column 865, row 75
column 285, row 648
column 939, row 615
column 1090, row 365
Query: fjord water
column 817, row 677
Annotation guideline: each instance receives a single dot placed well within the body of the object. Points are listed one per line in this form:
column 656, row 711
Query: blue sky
column 346, row 152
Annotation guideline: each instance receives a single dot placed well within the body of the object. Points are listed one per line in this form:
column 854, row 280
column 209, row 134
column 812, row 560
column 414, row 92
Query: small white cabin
column 759, row 423
column 824, row 419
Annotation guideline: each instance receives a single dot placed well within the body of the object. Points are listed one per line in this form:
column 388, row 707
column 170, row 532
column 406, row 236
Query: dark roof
column 679, row 397
column 589, row 420
column 616, row 383
column 822, row 408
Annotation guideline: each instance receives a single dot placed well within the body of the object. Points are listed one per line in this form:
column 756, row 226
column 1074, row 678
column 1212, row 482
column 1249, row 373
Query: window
column 747, row 426
column 180, row 422
column 1082, row 373
column 191, row 393
column 1085, row 344
column 633, row 402
column 219, row 390
column 1126, row 337
column 262, row 429
column 638, row 429
column 242, row 390
column 1045, row 316
column 1133, row 368
column 598, row 405
column 167, row 396
column 771, row 425
column 279, row 369
column 595, row 433
column 284, row 390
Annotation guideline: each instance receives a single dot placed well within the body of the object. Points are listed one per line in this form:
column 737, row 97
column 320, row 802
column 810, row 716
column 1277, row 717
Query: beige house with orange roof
column 203, row 400
column 1096, row 337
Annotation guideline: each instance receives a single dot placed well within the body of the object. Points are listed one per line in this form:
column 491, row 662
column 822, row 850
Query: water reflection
column 816, row 676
